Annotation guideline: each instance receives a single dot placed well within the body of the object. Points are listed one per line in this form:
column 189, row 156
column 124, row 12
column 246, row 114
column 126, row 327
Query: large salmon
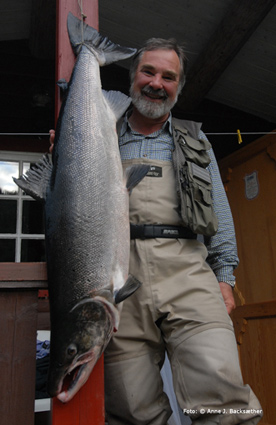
column 86, row 215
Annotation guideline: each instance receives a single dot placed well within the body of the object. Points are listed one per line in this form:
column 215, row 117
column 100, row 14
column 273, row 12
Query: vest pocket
column 196, row 190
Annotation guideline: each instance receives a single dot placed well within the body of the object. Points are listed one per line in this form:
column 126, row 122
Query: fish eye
column 72, row 350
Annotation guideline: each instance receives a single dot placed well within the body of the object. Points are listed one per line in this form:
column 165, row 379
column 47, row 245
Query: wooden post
column 65, row 58
column 87, row 407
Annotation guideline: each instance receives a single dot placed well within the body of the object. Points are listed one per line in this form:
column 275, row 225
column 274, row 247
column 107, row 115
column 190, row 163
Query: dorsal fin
column 36, row 180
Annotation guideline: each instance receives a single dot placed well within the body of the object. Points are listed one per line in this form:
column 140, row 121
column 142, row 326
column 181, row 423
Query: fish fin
column 131, row 285
column 105, row 51
column 36, row 179
column 117, row 101
column 134, row 174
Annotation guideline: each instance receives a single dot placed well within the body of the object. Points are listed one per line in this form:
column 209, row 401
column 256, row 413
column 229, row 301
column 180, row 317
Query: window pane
column 8, row 216
column 8, row 170
column 33, row 218
column 26, row 166
column 7, row 250
column 32, row 250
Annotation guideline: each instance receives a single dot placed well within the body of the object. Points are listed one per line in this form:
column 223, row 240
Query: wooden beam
column 87, row 407
column 242, row 19
column 65, row 58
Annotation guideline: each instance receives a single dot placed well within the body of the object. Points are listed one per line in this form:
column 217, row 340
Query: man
column 187, row 292
column 180, row 308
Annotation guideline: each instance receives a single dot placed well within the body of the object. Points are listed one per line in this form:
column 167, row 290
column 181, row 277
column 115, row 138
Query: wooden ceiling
column 230, row 44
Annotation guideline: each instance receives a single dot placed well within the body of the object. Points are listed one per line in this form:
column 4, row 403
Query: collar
column 126, row 126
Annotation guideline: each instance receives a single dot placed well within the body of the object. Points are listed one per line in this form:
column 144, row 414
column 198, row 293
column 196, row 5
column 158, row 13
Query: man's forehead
column 160, row 57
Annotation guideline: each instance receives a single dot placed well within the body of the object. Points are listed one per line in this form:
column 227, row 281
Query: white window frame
column 19, row 157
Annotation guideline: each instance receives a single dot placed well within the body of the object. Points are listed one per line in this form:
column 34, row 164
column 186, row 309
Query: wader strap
column 148, row 231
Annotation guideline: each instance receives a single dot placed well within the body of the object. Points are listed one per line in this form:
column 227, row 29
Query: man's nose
column 156, row 82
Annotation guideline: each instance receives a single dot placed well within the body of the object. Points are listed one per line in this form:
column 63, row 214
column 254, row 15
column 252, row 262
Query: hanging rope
column 83, row 16
column 253, row 133
column 239, row 134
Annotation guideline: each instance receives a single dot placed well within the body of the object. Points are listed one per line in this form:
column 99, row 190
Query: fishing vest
column 193, row 181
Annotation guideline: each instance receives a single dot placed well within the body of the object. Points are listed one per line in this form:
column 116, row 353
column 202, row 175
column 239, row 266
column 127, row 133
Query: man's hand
column 52, row 139
column 228, row 296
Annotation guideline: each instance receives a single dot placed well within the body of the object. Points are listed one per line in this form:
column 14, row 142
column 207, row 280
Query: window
column 21, row 217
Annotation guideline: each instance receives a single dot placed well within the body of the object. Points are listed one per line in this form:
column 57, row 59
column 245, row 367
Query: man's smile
column 154, row 94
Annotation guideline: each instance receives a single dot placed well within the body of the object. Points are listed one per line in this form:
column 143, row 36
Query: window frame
column 19, row 157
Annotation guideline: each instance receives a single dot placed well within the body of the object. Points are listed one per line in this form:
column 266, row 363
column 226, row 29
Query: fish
column 86, row 202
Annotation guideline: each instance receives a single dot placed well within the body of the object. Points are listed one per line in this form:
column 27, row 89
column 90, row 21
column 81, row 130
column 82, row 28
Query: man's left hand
column 228, row 296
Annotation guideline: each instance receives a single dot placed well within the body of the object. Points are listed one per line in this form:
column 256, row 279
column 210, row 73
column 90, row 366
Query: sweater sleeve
column 222, row 247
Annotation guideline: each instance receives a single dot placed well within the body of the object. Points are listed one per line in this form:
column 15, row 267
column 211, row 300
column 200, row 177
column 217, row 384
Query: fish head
column 77, row 342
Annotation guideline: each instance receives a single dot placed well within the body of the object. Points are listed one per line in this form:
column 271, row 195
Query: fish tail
column 105, row 51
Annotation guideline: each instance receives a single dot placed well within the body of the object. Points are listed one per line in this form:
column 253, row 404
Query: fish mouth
column 80, row 377
column 76, row 376
column 67, row 377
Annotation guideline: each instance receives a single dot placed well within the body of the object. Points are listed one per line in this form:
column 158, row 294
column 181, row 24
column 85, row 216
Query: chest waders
column 178, row 309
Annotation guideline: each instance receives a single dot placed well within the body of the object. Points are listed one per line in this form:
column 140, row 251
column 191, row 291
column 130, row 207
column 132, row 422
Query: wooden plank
column 256, row 310
column 236, row 27
column 23, row 285
column 22, row 272
column 18, row 314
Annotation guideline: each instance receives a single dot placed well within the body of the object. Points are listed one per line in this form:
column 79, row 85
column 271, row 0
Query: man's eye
column 148, row 72
column 169, row 78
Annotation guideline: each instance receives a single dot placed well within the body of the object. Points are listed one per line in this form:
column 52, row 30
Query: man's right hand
column 52, row 140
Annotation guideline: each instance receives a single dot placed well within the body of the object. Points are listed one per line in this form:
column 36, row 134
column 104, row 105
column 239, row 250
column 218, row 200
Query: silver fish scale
column 89, row 232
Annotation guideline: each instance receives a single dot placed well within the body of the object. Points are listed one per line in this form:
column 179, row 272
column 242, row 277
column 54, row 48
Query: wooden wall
column 249, row 176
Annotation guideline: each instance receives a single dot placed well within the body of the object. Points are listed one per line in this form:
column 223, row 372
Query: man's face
column 155, row 87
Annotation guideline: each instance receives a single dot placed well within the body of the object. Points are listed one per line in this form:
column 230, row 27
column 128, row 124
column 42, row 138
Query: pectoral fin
column 131, row 285
column 135, row 174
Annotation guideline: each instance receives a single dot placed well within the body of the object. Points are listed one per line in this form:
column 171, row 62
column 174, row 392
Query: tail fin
column 105, row 51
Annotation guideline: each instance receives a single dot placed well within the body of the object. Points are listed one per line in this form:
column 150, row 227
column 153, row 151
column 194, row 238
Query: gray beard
column 151, row 109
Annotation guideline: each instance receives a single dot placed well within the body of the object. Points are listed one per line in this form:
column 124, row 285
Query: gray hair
column 161, row 44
